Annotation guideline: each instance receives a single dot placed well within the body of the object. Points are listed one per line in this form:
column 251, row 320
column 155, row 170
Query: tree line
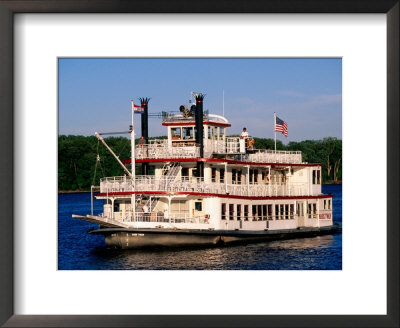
column 82, row 161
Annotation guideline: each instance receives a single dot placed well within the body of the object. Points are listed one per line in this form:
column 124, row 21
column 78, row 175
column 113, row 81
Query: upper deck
column 181, row 143
column 163, row 149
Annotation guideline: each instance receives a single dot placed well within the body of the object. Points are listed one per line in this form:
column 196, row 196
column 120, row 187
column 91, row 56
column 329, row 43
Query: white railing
column 185, row 184
column 160, row 148
column 272, row 156
column 159, row 217
column 163, row 150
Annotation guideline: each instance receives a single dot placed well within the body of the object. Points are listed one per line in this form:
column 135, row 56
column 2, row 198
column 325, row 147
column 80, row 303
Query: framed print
column 37, row 293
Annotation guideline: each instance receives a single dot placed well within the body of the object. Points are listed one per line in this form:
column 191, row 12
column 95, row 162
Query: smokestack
column 144, row 102
column 199, row 131
column 199, row 122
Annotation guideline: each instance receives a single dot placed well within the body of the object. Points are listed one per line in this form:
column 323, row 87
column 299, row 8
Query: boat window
column 176, row 133
column 309, row 210
column 209, row 132
column 314, row 210
column 198, row 206
column 254, row 212
column 324, row 204
column 216, row 132
column 152, row 170
column 276, row 212
column 231, row 208
column 286, row 211
column 185, row 173
column 291, row 211
column 188, row 133
column 223, row 211
column 233, row 176
column 253, row 176
column 329, row 204
column 282, row 211
column 246, row 212
column 264, row 177
column 236, row 176
column 222, row 175
column 264, row 212
column 259, row 212
column 238, row 211
column 269, row 212
column 316, row 176
column 213, row 174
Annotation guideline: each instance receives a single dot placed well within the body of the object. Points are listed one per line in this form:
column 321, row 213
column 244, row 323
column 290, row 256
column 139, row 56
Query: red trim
column 210, row 195
column 217, row 160
column 193, row 123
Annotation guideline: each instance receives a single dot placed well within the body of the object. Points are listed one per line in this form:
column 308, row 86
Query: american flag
column 137, row 109
column 281, row 126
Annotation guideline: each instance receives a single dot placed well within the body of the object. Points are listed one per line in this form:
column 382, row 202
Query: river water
column 77, row 250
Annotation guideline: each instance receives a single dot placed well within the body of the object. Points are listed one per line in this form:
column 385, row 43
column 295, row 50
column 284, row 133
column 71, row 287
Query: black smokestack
column 199, row 122
column 144, row 102
column 199, row 131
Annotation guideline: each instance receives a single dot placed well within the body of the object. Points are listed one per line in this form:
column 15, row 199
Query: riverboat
column 199, row 186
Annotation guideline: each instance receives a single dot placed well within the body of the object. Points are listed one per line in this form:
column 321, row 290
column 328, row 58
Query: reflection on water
column 80, row 251
column 322, row 252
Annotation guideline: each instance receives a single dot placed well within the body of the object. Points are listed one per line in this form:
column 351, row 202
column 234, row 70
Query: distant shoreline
column 73, row 191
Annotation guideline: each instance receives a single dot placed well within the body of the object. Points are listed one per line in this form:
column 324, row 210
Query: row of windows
column 190, row 132
column 237, row 176
column 264, row 212
column 257, row 212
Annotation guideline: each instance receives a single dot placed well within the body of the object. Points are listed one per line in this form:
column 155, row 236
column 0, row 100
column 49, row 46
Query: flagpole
column 275, row 129
column 133, row 163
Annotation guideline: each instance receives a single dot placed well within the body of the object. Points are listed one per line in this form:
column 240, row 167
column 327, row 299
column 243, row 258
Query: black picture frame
column 8, row 127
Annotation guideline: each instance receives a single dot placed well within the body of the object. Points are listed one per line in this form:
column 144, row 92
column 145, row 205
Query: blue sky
column 95, row 94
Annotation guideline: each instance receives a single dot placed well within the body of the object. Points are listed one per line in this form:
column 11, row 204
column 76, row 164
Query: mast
column 133, row 164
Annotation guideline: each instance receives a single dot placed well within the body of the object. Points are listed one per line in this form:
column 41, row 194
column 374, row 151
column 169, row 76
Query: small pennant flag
column 137, row 109
column 281, row 126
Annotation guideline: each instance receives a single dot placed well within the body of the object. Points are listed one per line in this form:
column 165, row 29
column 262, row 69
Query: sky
column 95, row 93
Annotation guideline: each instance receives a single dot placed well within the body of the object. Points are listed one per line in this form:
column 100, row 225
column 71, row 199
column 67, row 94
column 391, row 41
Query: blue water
column 77, row 250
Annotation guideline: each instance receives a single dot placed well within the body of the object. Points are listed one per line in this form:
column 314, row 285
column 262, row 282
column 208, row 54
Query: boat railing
column 163, row 150
column 160, row 217
column 272, row 156
column 190, row 184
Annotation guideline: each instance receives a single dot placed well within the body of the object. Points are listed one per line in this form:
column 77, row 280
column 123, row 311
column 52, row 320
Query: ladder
column 170, row 172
